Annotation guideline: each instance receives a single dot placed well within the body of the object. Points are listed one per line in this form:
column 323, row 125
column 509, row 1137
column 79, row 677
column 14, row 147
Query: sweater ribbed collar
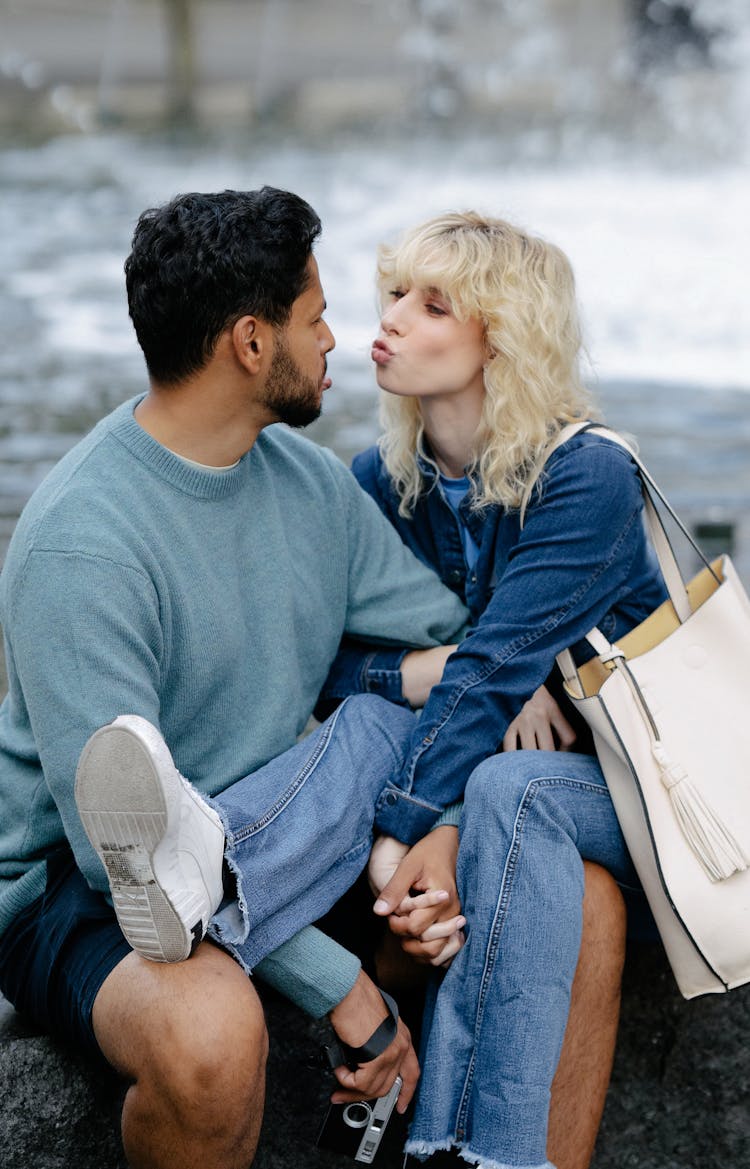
column 192, row 480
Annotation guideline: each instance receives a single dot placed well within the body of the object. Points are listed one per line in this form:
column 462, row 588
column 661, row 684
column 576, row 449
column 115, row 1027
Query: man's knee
column 214, row 1060
column 192, row 1032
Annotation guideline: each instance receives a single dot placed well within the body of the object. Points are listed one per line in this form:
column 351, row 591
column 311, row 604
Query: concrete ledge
column 678, row 1100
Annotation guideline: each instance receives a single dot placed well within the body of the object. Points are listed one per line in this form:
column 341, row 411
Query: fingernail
column 381, row 906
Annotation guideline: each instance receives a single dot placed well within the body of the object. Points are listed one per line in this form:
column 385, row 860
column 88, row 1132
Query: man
column 187, row 567
column 186, row 572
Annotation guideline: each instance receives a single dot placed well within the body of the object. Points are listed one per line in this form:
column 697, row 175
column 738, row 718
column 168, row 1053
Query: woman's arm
column 564, row 572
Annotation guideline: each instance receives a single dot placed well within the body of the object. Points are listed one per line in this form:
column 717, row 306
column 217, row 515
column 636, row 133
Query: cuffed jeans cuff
column 398, row 814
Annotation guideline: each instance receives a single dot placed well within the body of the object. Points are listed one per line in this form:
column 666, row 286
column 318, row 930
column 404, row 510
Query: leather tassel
column 717, row 850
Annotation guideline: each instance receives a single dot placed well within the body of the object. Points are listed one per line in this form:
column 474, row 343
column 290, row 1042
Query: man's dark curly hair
column 201, row 262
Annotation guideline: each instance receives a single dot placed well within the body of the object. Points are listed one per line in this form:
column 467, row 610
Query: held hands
column 540, row 726
column 354, row 1020
column 420, row 897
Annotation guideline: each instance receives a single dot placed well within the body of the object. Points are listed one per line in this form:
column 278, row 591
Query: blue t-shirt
column 454, row 491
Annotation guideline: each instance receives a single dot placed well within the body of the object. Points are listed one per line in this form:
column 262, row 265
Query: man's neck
column 202, row 422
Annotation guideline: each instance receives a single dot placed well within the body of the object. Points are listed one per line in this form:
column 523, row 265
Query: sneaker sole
column 123, row 803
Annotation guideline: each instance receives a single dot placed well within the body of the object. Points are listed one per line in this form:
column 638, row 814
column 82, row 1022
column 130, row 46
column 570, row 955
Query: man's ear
column 250, row 339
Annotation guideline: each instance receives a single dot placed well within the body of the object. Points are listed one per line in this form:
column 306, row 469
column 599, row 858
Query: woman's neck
column 450, row 426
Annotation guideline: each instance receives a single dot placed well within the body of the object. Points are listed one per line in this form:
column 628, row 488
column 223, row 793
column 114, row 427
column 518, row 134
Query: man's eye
column 437, row 310
column 396, row 293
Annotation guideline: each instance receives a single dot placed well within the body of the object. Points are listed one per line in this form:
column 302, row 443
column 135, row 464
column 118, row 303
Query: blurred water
column 661, row 258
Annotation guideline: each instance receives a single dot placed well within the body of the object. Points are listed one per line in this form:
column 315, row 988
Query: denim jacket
column 582, row 559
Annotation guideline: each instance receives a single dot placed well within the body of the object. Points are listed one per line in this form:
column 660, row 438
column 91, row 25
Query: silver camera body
column 357, row 1129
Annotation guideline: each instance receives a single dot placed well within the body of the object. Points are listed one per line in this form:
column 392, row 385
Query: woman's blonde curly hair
column 523, row 291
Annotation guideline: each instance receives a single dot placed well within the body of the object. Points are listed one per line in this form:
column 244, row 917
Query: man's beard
column 293, row 397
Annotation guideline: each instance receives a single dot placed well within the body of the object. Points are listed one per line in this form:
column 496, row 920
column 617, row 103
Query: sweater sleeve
column 359, row 667
column 312, row 970
column 394, row 599
column 87, row 645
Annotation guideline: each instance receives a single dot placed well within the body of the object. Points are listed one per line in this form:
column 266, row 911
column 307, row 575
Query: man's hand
column 421, row 669
column 354, row 1020
column 540, row 726
column 421, row 899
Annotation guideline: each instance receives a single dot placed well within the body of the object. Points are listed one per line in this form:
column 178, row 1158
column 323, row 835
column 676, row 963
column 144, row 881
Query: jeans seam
column 534, row 785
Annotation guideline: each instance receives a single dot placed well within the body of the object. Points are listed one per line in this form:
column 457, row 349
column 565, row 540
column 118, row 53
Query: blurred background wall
column 639, row 67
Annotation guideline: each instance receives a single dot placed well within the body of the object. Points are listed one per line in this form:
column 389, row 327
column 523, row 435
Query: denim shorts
column 56, row 954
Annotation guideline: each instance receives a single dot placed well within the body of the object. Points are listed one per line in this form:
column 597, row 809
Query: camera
column 357, row 1129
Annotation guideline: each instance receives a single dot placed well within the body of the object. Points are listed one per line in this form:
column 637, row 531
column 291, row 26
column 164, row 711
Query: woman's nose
column 392, row 319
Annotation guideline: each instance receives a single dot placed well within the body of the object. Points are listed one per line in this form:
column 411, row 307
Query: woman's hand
column 354, row 1020
column 540, row 726
column 421, row 669
column 386, row 855
column 421, row 899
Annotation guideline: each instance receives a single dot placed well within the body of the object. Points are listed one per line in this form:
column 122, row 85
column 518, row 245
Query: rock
column 679, row 1092
column 678, row 1099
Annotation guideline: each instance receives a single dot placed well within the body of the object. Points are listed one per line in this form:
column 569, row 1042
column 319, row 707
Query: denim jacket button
column 455, row 576
column 391, row 798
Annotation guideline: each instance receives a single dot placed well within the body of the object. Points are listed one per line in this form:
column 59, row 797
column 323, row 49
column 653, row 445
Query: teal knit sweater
column 210, row 604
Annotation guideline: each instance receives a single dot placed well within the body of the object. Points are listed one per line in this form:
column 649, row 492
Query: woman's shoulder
column 591, row 448
column 596, row 463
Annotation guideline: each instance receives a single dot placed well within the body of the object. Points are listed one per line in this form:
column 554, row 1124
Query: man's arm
column 393, row 598
column 87, row 646
column 321, row 977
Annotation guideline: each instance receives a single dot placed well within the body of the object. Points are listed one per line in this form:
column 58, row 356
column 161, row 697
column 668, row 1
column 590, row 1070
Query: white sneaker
column 160, row 842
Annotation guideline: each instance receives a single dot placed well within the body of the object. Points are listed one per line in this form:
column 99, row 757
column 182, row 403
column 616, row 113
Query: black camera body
column 357, row 1129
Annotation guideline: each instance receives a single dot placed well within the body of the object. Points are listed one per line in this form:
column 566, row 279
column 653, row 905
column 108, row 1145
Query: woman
column 478, row 355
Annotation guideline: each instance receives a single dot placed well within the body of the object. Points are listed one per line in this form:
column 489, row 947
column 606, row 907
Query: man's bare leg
column 580, row 1085
column 191, row 1038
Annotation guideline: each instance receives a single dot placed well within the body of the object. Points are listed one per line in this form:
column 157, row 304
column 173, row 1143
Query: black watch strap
column 339, row 1053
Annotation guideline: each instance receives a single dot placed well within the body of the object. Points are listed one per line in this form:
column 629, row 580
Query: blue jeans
column 299, row 830
column 494, row 1039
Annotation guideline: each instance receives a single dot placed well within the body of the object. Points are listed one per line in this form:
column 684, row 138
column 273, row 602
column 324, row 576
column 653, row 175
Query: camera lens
column 357, row 1115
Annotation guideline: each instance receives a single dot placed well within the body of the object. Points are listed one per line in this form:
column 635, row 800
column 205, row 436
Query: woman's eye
column 396, row 293
column 436, row 310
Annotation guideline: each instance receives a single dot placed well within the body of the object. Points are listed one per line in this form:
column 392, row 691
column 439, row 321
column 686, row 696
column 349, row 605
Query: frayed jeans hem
column 424, row 1149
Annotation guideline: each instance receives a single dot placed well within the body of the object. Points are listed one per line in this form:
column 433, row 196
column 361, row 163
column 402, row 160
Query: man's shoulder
column 71, row 498
column 297, row 455
column 372, row 475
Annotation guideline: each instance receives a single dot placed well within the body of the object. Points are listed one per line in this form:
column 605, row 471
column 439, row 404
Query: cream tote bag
column 669, row 707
